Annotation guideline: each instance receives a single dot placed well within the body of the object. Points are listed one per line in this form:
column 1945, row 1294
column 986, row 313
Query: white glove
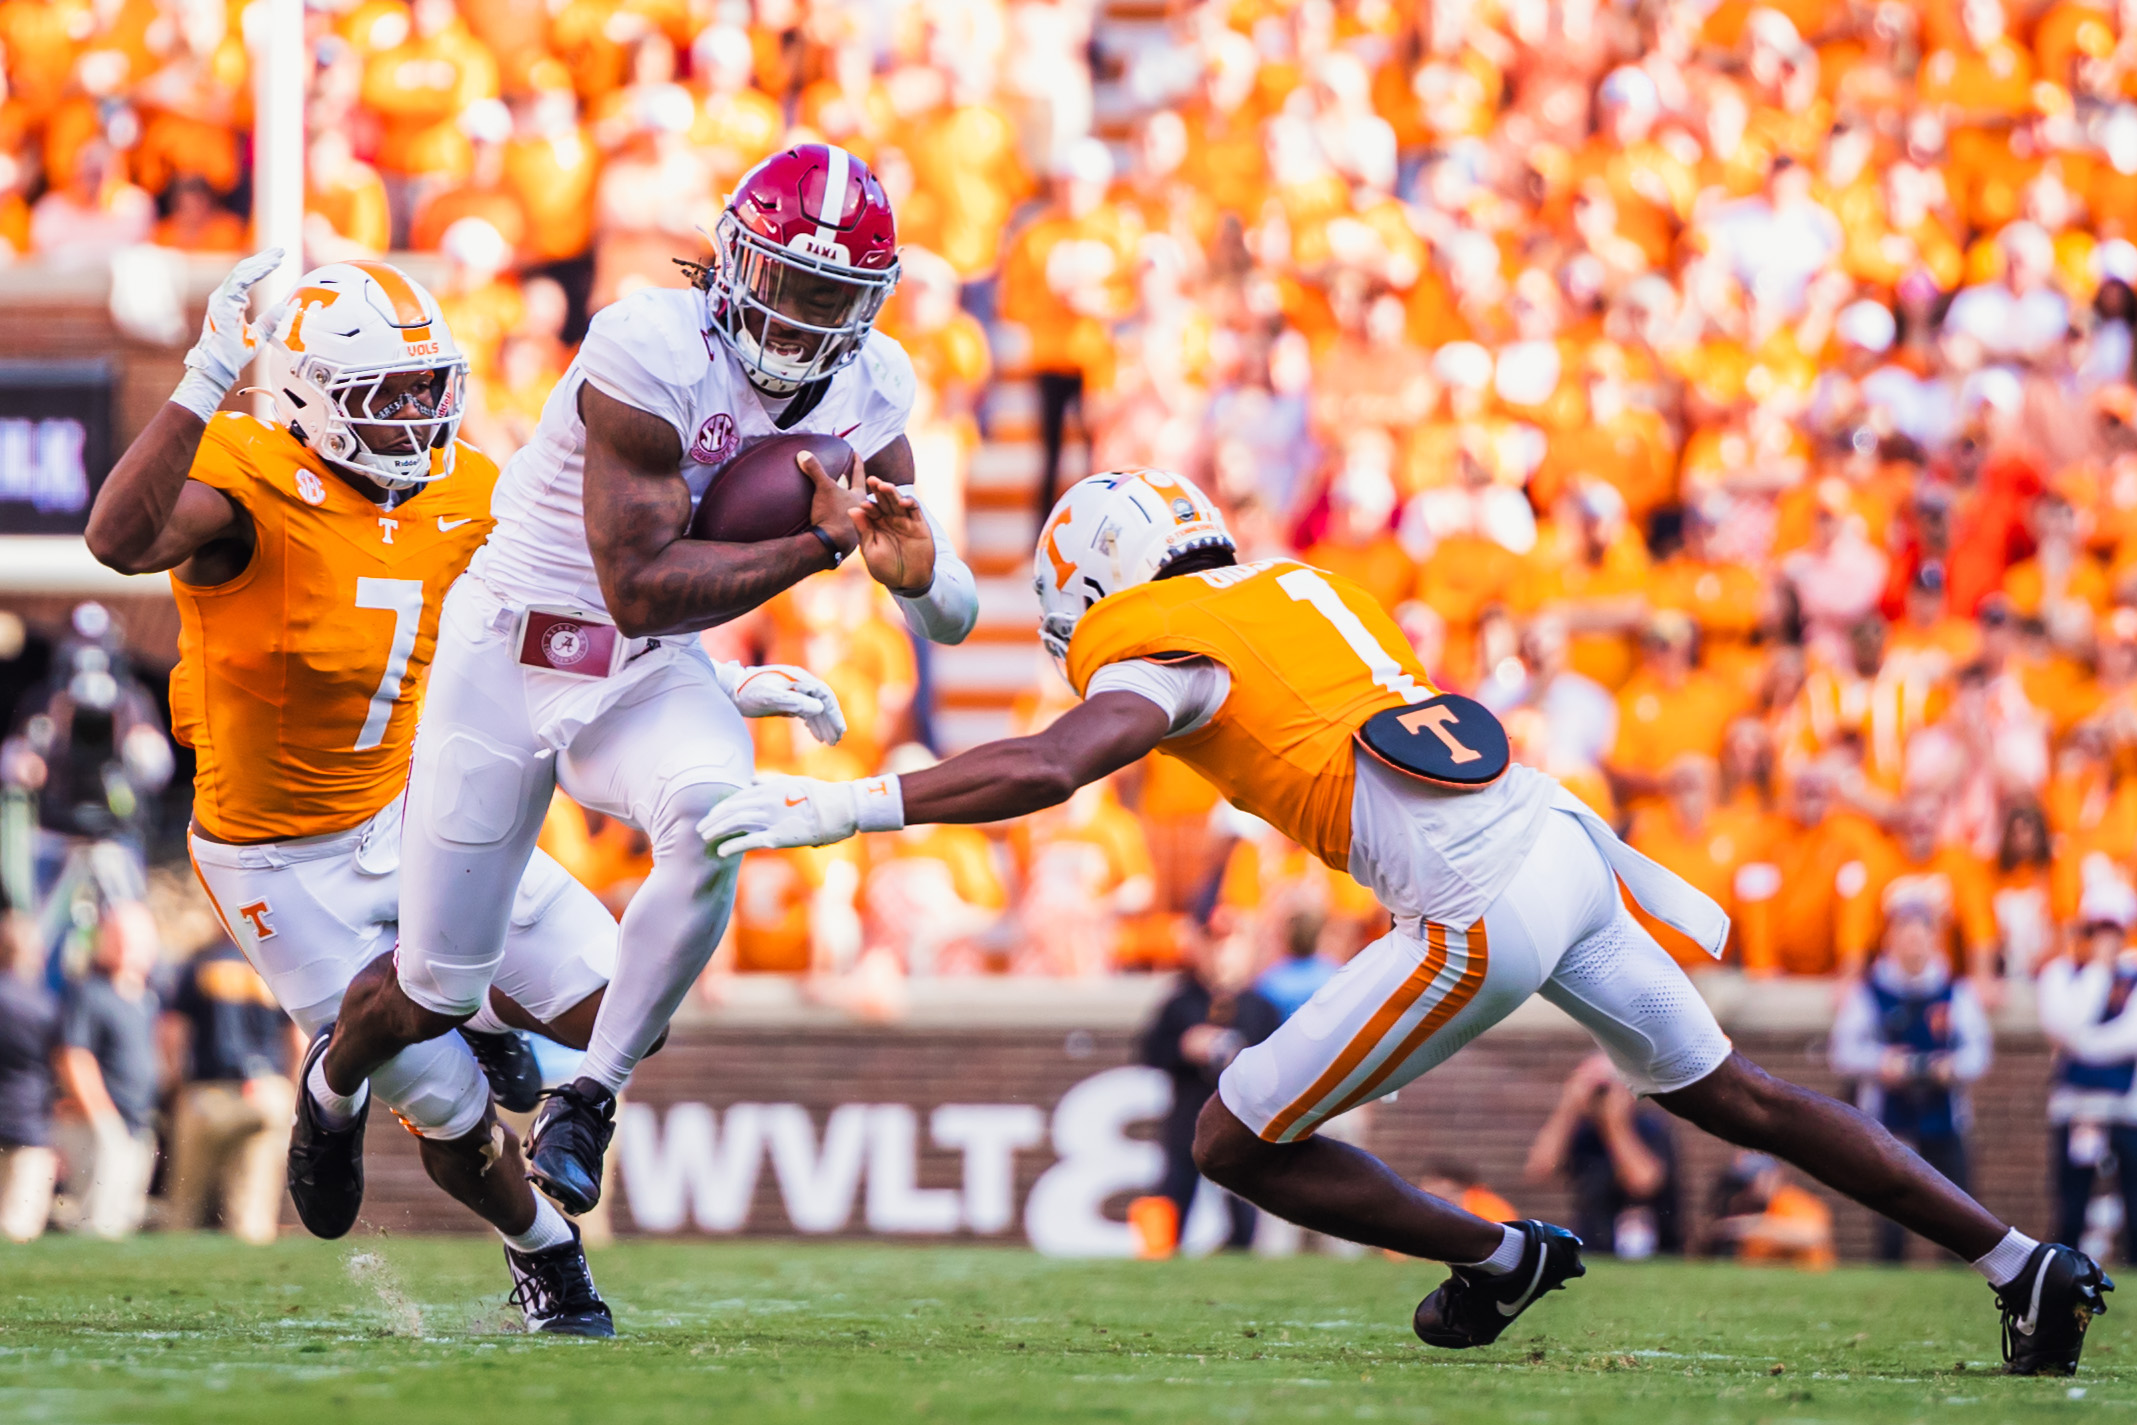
column 801, row 811
column 782, row 690
column 227, row 341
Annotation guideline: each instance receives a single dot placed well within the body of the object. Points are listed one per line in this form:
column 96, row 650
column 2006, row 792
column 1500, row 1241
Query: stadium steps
column 979, row 681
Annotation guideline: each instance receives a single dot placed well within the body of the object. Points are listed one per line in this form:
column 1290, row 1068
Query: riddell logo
column 715, row 440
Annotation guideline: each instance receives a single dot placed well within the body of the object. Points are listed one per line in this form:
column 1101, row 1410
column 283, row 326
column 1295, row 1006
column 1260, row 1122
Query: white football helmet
column 1111, row 532
column 347, row 329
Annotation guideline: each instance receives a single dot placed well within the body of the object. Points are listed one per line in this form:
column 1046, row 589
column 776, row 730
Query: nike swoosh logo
column 1543, row 1258
column 2032, row 1318
column 849, row 430
column 446, row 526
column 796, row 801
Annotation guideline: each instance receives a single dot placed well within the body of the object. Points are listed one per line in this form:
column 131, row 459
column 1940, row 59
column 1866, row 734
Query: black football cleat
column 1471, row 1307
column 569, row 1139
column 2046, row 1309
column 508, row 1062
column 326, row 1165
column 554, row 1290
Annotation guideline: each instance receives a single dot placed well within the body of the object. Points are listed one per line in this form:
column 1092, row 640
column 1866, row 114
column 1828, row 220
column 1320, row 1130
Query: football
column 763, row 494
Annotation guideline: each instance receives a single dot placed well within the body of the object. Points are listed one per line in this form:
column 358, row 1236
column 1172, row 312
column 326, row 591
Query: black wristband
column 838, row 555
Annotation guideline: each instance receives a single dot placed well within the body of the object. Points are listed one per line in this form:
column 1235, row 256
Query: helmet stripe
column 408, row 309
column 834, row 205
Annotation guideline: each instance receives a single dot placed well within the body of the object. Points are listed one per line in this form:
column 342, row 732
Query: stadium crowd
column 1736, row 398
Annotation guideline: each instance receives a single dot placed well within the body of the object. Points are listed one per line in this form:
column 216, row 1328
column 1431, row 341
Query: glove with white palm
column 783, row 690
column 801, row 811
column 228, row 341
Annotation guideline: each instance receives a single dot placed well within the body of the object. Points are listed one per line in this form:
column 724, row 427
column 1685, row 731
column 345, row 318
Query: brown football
column 762, row 494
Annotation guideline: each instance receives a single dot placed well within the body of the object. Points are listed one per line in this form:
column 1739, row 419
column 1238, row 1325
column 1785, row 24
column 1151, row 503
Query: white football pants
column 310, row 913
column 657, row 745
column 1403, row 1004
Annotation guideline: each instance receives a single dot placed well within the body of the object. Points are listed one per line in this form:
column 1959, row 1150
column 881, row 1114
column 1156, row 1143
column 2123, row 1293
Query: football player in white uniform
column 567, row 657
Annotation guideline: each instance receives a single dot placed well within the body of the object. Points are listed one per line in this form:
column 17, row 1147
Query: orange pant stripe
column 1451, row 1004
column 1361, row 1044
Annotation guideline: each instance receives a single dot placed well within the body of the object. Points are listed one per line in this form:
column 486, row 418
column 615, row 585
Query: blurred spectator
column 29, row 1039
column 1913, row 1039
column 1760, row 1216
column 197, row 222
column 1087, row 866
column 1066, row 278
column 2086, row 1013
column 1210, row 1016
column 1620, row 1159
column 94, row 213
column 1302, row 970
column 107, row 1066
column 233, row 1056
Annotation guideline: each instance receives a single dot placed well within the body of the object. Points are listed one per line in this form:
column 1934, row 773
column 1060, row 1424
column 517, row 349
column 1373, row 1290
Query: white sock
column 337, row 1111
column 486, row 1020
column 549, row 1229
column 1508, row 1257
column 2007, row 1258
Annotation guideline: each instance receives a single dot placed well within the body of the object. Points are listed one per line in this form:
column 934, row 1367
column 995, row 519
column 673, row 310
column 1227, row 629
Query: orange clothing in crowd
column 553, row 178
column 1658, row 723
column 1381, row 567
column 1066, row 278
column 1952, row 878
column 1790, row 904
column 418, row 89
column 1709, row 858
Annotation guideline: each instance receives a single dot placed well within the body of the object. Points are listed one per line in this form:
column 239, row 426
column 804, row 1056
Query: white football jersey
column 652, row 351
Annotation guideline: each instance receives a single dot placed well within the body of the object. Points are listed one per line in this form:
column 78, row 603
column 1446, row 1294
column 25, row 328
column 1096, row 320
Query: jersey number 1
column 405, row 598
column 1308, row 587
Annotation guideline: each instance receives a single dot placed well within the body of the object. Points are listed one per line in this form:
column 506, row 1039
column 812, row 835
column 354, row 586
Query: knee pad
column 444, row 988
column 479, row 790
column 435, row 1088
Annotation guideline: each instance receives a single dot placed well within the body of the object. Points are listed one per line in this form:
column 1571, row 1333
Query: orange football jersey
column 297, row 681
column 1311, row 655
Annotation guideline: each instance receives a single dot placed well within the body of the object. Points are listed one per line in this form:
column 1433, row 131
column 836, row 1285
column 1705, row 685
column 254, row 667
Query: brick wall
column 1482, row 1108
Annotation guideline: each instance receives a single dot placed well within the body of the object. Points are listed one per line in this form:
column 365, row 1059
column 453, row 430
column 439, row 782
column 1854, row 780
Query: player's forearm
column 991, row 783
column 948, row 609
column 695, row 584
column 131, row 525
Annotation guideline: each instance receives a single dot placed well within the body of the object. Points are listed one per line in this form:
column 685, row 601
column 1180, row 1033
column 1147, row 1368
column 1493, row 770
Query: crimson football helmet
column 807, row 253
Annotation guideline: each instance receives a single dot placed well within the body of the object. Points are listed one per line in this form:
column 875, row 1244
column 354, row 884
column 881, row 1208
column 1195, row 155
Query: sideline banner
column 55, row 443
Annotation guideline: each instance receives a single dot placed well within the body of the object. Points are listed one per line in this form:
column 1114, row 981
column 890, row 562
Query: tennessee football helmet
column 347, row 331
column 1112, row 532
column 807, row 252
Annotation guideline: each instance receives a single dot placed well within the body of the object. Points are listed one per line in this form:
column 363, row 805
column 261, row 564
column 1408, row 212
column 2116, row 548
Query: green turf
column 409, row 1331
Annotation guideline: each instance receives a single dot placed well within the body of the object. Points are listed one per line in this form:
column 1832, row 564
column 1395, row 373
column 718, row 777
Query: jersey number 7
column 405, row 598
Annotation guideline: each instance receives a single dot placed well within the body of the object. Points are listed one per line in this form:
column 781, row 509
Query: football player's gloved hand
column 782, row 690
column 227, row 340
column 801, row 811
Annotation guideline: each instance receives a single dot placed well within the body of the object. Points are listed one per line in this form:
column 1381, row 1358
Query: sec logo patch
column 715, row 441
column 310, row 488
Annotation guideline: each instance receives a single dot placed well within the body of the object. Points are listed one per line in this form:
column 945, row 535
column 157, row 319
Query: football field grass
column 408, row 1331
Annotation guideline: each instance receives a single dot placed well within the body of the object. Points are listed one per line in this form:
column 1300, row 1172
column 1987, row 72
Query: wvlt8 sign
column 691, row 1166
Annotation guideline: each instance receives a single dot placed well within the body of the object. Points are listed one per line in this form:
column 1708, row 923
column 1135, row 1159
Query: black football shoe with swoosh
column 1471, row 1308
column 568, row 1143
column 326, row 1165
column 2046, row 1309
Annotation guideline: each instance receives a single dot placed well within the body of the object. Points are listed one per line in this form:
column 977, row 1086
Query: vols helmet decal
column 1112, row 532
column 336, row 351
